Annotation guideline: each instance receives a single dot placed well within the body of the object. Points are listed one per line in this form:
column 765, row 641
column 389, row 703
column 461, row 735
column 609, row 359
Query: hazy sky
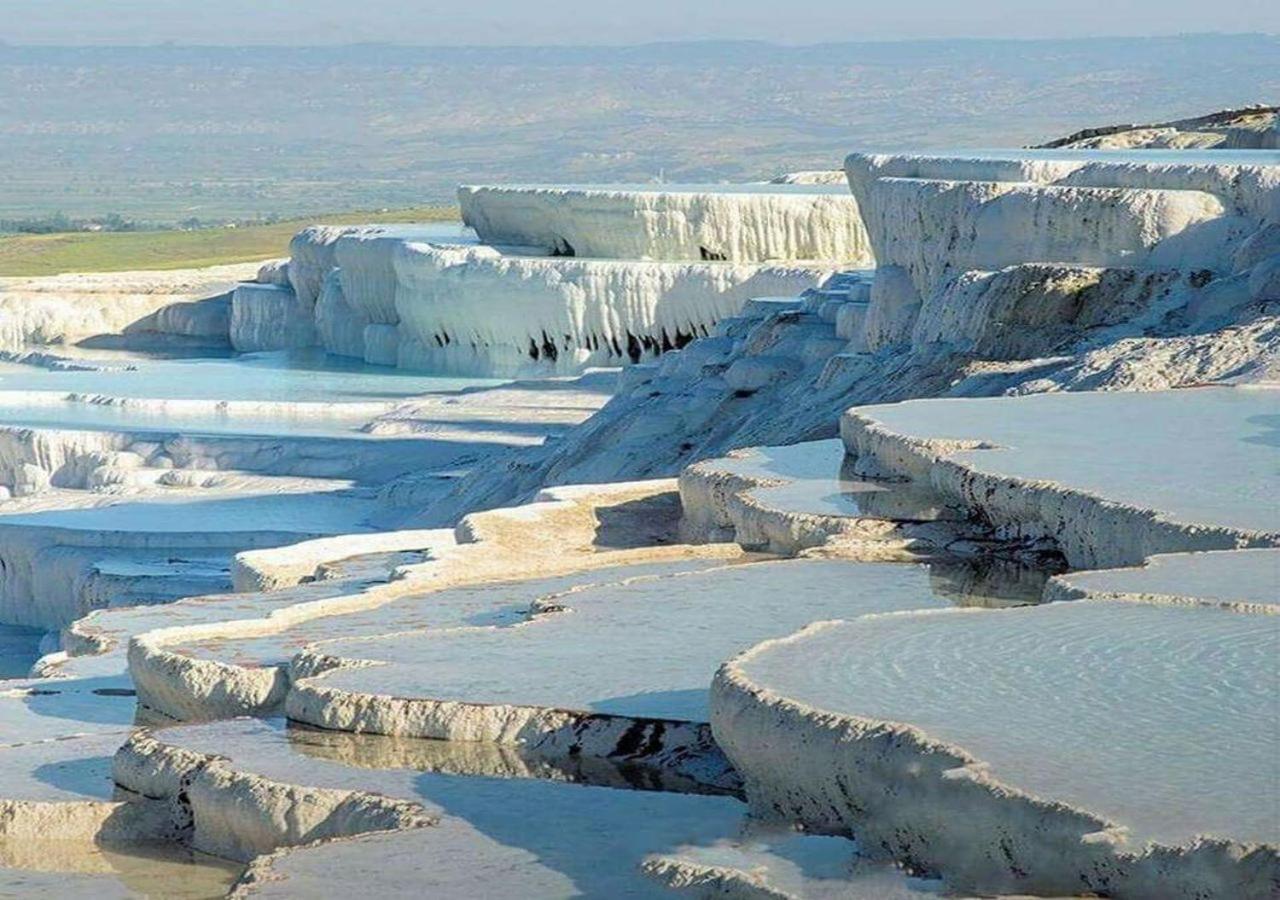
column 240, row 22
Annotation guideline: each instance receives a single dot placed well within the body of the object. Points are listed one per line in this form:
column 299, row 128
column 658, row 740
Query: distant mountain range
column 168, row 133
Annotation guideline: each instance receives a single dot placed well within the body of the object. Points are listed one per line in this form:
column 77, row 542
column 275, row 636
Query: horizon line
column 692, row 42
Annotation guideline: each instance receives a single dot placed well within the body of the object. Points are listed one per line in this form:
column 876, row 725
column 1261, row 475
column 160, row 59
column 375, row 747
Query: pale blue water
column 1199, row 455
column 293, row 377
column 816, row 481
column 1160, row 717
column 303, row 376
column 19, row 649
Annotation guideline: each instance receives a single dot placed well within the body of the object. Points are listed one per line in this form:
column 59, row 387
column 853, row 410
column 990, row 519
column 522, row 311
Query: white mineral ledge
column 637, row 650
column 1115, row 476
column 466, row 834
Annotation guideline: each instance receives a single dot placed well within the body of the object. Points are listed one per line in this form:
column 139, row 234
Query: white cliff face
column 934, row 221
column 312, row 256
column 427, row 296
column 270, row 317
column 366, row 264
column 470, row 308
column 741, row 223
column 339, row 326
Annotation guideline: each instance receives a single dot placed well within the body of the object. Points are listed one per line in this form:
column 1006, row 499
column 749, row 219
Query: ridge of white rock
column 932, row 219
column 741, row 223
column 1230, row 129
column 270, row 317
column 366, row 264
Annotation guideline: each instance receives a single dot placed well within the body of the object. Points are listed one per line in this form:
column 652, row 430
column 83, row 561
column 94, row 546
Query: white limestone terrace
column 315, row 812
column 1081, row 468
column 302, row 391
column 792, row 498
column 498, row 603
column 615, row 669
column 1178, row 289
column 187, row 461
column 87, row 688
column 313, row 254
column 100, row 845
column 1040, row 776
column 1237, row 579
column 134, row 421
column 736, row 222
column 430, row 297
column 1050, row 771
column 486, row 310
column 251, row 790
column 58, row 553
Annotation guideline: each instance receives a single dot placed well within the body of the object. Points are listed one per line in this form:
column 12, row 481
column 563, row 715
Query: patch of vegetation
column 121, row 251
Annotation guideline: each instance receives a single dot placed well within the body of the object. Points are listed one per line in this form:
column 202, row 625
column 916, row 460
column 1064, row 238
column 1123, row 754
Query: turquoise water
column 19, row 649
column 1198, row 455
column 303, row 376
column 350, row 393
column 1160, row 717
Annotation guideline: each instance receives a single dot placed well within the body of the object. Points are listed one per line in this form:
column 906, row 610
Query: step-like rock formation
column 483, row 310
column 1078, row 467
column 1052, row 768
column 740, row 223
column 577, row 670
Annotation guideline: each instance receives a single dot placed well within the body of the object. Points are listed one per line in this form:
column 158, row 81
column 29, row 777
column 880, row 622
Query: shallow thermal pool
column 19, row 649
column 309, row 375
column 1215, row 446
column 644, row 647
column 815, row 477
column 1161, row 717
column 343, row 392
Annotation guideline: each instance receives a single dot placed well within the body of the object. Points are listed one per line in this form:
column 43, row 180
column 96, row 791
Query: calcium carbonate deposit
column 909, row 531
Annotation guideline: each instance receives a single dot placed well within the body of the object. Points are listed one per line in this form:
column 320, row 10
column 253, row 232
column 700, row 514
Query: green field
column 81, row 251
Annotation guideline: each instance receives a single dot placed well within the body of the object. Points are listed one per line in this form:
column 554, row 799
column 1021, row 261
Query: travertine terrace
column 911, row 533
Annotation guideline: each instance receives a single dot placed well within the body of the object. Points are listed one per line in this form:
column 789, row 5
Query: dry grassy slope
column 52, row 254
